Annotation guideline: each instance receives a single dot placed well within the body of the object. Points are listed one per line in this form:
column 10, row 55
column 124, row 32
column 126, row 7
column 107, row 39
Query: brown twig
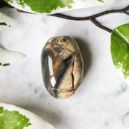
column 93, row 17
column 127, row 13
column 98, row 24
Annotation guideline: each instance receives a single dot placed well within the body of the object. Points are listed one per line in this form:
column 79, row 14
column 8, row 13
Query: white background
column 101, row 102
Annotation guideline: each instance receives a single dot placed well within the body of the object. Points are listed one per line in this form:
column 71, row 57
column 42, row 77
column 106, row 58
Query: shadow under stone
column 86, row 54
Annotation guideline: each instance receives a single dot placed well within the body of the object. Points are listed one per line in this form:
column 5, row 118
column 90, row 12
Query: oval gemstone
column 62, row 66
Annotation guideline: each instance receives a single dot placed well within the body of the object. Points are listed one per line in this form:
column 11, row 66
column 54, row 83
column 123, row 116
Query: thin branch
column 98, row 24
column 59, row 15
column 127, row 13
column 21, row 11
column 93, row 17
column 126, row 8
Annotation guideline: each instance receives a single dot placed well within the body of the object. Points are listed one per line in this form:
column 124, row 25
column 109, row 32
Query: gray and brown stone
column 62, row 66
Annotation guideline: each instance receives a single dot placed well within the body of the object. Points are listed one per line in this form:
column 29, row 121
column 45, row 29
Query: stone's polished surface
column 62, row 66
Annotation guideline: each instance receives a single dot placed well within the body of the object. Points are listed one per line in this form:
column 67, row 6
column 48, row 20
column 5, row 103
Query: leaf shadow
column 50, row 116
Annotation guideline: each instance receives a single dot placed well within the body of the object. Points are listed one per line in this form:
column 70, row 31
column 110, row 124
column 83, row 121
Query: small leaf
column 54, row 6
column 101, row 1
column 12, row 120
column 43, row 6
column 120, row 48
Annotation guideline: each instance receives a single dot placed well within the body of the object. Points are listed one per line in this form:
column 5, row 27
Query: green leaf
column 101, row 1
column 120, row 48
column 44, row 6
column 12, row 120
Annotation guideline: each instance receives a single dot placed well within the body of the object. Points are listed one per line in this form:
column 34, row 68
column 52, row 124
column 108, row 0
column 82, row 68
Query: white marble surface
column 101, row 102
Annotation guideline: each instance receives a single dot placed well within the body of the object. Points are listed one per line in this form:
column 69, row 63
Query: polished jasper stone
column 62, row 66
